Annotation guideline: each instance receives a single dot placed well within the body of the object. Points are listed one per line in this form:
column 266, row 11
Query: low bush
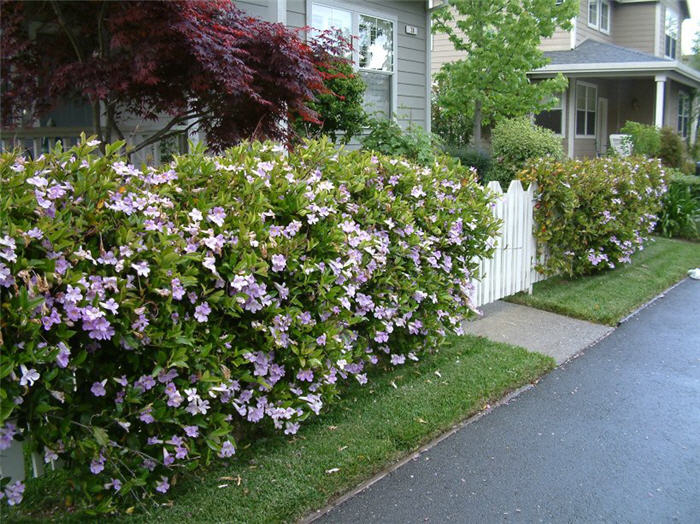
column 680, row 213
column 671, row 148
column 594, row 214
column 471, row 157
column 387, row 137
column 152, row 320
column 646, row 139
column 514, row 142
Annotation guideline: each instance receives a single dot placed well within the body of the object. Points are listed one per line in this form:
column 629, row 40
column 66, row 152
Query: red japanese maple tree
column 204, row 63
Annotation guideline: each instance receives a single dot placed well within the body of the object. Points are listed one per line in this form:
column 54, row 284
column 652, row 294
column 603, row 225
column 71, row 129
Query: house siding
column 584, row 32
column 559, row 41
column 635, row 26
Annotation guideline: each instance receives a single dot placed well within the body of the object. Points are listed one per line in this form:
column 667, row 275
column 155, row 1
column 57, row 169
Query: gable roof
column 594, row 52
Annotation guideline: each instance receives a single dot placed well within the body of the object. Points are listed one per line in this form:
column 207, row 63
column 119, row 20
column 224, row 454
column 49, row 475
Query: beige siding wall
column 443, row 52
column 635, row 26
column 584, row 32
column 559, row 41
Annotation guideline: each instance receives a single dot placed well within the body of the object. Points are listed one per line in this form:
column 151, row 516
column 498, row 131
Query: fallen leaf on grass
column 223, row 486
column 332, row 470
column 343, row 448
column 421, row 420
column 332, row 428
column 394, row 384
column 438, row 373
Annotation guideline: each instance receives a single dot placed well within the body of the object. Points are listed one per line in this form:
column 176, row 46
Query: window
column 599, row 15
column 553, row 118
column 586, row 101
column 374, row 53
column 683, row 114
column 671, row 40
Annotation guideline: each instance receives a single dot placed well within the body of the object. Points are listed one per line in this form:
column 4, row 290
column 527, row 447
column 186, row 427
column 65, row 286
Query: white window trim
column 684, row 113
column 563, row 102
column 595, row 109
column 594, row 24
column 600, row 16
column 668, row 10
column 355, row 12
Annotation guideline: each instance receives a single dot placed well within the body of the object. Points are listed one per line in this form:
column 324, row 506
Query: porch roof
column 601, row 59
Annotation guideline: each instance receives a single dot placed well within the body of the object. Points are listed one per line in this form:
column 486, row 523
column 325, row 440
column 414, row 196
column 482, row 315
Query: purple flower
column 7, row 433
column 398, row 359
column 116, row 484
column 201, row 312
column 178, row 290
column 98, row 388
column 14, row 493
column 227, row 450
column 163, row 486
column 217, row 216
column 321, row 341
column 97, row 465
column 35, row 233
column 305, row 375
column 141, row 268
column 146, row 416
column 29, row 376
column 144, row 383
column 192, row 431
column 279, row 262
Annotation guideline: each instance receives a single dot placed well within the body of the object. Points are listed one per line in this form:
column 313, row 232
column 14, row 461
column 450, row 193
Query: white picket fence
column 511, row 268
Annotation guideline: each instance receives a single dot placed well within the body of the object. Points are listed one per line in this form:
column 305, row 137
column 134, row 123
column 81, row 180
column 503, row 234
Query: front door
column 602, row 131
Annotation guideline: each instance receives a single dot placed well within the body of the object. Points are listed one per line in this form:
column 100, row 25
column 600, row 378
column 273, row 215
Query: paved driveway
column 613, row 436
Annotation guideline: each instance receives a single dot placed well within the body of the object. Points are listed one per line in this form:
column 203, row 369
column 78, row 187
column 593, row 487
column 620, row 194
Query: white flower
column 29, row 376
column 196, row 215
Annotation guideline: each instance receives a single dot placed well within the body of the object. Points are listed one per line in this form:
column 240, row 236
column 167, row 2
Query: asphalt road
column 612, row 436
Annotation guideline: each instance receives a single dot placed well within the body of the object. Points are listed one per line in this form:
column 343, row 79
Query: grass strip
column 608, row 297
column 278, row 479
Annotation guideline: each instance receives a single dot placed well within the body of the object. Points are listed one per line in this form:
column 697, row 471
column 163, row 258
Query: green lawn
column 608, row 297
column 281, row 479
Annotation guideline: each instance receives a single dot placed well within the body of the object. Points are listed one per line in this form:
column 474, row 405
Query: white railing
column 511, row 268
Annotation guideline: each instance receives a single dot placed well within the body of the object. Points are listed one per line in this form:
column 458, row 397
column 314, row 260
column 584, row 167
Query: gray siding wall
column 635, row 26
column 256, row 8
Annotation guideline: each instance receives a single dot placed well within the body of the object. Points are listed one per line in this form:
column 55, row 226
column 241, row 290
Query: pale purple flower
column 38, row 181
column 227, row 450
column 14, row 493
column 7, row 433
column 178, row 290
column 29, row 376
column 291, row 428
column 35, row 233
column 163, row 486
column 192, row 431
column 196, row 215
column 141, row 268
column 217, row 216
column 381, row 336
column 98, row 388
column 201, row 312
column 398, row 359
column 279, row 262
column 305, row 375
column 115, row 484
column 111, row 305
column 146, row 416
column 49, row 455
column 97, row 465
column 321, row 341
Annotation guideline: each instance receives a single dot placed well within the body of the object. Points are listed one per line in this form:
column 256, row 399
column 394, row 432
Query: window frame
column 356, row 12
column 593, row 24
column 597, row 24
column 562, row 108
column 683, row 114
column 671, row 37
column 587, row 86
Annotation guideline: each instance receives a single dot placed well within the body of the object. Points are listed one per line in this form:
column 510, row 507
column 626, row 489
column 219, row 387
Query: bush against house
column 153, row 319
column 514, row 142
column 594, row 214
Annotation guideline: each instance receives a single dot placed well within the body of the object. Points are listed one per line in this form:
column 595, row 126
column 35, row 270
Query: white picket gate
column 511, row 268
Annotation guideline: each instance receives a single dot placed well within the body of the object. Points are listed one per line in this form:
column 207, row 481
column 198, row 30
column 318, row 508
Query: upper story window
column 374, row 54
column 671, row 31
column 599, row 15
column 586, row 103
column 683, row 114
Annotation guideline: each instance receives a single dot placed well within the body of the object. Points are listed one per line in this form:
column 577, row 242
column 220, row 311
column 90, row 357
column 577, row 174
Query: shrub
column 680, row 213
column 151, row 318
column 671, row 149
column 453, row 127
column 646, row 139
column 387, row 137
column 594, row 214
column 514, row 142
column 471, row 157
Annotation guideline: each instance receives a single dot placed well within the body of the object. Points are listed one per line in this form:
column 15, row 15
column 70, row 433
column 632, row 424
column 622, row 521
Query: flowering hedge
column 593, row 214
column 151, row 318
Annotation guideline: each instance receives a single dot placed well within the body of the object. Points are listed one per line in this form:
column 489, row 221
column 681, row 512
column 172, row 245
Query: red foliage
column 206, row 61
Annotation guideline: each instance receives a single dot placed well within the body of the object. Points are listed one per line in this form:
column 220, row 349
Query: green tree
column 501, row 39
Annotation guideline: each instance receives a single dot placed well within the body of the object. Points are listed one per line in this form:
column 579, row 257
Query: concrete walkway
column 555, row 335
column 613, row 436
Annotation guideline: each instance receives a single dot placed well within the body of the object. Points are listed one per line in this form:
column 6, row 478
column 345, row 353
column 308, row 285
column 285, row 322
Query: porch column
column 571, row 118
column 660, row 100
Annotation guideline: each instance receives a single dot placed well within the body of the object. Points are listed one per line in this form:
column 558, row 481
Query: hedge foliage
column 151, row 318
column 514, row 142
column 680, row 213
column 594, row 214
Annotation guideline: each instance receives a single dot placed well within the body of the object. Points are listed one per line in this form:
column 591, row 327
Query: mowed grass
column 280, row 479
column 608, row 297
